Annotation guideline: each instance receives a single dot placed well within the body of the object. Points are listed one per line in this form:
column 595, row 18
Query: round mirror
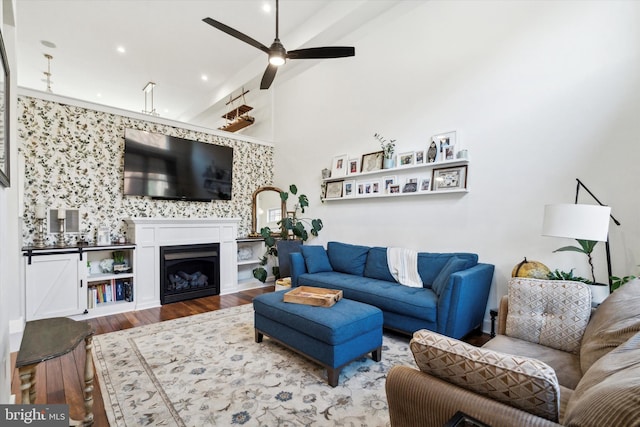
column 267, row 208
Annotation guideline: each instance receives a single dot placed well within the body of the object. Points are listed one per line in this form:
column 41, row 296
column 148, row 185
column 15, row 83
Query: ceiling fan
column 278, row 54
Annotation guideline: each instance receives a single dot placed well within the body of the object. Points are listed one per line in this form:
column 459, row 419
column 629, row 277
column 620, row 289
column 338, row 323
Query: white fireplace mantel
column 149, row 234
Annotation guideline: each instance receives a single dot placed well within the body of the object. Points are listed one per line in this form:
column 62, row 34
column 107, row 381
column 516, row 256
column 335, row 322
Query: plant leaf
column 570, row 249
column 260, row 274
column 293, row 189
column 587, row 245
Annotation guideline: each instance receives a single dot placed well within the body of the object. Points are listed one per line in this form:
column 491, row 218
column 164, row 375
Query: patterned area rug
column 207, row 370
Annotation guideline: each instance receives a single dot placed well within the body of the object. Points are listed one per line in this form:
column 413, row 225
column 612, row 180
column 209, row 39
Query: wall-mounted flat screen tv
column 167, row 167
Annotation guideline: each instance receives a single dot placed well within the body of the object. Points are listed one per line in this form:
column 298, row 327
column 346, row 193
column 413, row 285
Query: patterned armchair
column 552, row 363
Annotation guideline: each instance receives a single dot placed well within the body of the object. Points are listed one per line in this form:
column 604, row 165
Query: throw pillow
column 315, row 258
column 376, row 266
column 615, row 321
column 347, row 258
column 454, row 265
column 524, row 383
column 609, row 392
column 553, row 313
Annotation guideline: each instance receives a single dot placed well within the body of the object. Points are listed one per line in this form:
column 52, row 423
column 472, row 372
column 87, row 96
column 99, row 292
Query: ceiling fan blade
column 268, row 76
column 322, row 52
column 237, row 34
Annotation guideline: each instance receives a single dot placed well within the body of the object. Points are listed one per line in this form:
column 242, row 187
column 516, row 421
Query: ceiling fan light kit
column 278, row 54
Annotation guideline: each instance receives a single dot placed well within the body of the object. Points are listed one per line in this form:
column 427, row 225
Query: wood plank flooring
column 60, row 380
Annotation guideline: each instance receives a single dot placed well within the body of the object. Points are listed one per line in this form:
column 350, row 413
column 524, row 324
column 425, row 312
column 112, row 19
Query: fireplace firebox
column 189, row 271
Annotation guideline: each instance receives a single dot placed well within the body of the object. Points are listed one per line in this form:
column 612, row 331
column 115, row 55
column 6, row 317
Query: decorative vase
column 388, row 163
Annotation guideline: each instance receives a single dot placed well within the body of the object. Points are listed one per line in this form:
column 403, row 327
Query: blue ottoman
column 331, row 336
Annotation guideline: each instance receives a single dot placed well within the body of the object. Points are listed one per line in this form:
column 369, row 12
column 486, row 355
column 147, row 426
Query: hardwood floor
column 60, row 380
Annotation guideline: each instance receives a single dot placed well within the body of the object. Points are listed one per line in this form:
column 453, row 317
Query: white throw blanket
column 403, row 265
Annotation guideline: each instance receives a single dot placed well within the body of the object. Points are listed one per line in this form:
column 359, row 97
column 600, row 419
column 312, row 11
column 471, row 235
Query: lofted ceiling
column 195, row 67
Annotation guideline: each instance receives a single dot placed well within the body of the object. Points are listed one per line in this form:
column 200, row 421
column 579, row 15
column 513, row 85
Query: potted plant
column 388, row 148
column 293, row 231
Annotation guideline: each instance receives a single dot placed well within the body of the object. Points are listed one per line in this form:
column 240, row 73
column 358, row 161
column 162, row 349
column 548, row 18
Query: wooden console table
column 50, row 338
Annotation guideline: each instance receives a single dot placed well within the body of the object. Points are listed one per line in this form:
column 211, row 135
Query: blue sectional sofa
column 452, row 300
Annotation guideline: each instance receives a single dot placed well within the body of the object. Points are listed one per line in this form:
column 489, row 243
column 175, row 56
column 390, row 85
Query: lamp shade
column 584, row 222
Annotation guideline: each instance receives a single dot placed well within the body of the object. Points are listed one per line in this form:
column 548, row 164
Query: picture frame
column 425, row 184
column 339, row 166
column 376, row 187
column 333, row 190
column 368, row 188
column 388, row 181
column 410, row 185
column 348, row 188
column 406, row 159
column 372, row 161
column 420, row 157
column 441, row 141
column 360, row 189
column 353, row 166
column 453, row 178
column 449, row 152
column 5, row 151
column 394, row 189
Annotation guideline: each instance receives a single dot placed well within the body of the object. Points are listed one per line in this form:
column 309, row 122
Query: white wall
column 9, row 217
column 540, row 93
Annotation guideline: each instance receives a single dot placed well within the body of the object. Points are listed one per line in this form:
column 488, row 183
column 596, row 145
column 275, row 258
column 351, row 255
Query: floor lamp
column 581, row 222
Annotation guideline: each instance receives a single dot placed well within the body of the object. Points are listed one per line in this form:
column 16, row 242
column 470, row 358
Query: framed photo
column 454, row 178
column 353, row 166
column 425, row 184
column 449, row 152
column 387, row 182
column 372, row 161
column 348, row 188
column 334, row 190
column 420, row 157
column 5, row 168
column 441, row 141
column 360, row 189
column 394, row 189
column 406, row 159
column 376, row 187
column 410, row 186
column 368, row 188
column 339, row 166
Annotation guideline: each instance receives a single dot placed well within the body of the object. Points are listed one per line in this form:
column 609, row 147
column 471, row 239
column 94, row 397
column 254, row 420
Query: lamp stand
column 616, row 222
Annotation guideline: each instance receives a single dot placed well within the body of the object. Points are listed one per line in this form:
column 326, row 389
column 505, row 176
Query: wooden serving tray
column 309, row 295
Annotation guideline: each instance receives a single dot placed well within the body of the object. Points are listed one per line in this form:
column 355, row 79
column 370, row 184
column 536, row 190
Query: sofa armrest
column 463, row 302
column 417, row 399
column 298, row 267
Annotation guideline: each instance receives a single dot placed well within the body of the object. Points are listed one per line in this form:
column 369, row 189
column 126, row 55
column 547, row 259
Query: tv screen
column 167, row 167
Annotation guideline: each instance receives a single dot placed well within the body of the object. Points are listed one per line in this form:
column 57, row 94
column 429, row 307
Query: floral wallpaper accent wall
column 74, row 160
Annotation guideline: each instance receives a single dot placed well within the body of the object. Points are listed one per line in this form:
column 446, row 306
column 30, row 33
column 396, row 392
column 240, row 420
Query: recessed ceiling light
column 121, row 49
column 49, row 44
column 204, row 77
column 266, row 7
column 99, row 95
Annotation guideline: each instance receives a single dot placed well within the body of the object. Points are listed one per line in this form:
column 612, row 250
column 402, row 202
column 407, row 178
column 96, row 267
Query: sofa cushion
column 453, row 265
column 430, row 264
column 315, row 258
column 347, row 258
column 553, row 313
column 521, row 382
column 390, row 297
column 609, row 392
column 376, row 266
column 565, row 364
column 615, row 321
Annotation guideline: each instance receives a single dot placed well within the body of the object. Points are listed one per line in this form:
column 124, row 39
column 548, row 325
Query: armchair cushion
column 609, row 392
column 553, row 313
column 615, row 321
column 315, row 258
column 521, row 382
column 346, row 258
